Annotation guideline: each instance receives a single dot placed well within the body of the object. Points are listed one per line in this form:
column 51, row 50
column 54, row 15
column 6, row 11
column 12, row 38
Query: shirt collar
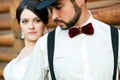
column 90, row 19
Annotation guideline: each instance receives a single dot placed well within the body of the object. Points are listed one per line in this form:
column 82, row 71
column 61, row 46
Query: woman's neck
column 29, row 44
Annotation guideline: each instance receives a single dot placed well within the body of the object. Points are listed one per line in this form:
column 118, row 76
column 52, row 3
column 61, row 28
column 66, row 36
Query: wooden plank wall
column 10, row 42
column 107, row 11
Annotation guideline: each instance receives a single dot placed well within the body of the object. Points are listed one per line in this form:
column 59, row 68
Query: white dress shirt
column 84, row 57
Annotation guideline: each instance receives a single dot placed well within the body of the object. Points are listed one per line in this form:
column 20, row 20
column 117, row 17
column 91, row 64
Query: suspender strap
column 50, row 47
column 114, row 37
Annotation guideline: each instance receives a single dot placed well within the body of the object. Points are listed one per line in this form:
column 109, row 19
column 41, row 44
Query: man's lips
column 58, row 21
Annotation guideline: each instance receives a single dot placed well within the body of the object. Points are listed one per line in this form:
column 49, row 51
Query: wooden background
column 107, row 11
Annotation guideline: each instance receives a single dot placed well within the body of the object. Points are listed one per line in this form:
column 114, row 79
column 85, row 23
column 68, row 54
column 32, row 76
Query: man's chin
column 63, row 27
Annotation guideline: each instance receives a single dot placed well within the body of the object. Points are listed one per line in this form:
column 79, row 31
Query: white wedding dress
column 15, row 70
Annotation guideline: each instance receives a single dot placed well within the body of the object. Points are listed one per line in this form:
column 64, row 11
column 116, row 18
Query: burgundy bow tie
column 87, row 29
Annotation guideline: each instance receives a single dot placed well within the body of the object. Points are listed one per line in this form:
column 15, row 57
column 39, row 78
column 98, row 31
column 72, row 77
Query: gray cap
column 45, row 3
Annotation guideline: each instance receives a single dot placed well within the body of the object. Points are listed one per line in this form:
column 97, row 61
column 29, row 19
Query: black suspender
column 51, row 40
column 115, row 39
column 50, row 47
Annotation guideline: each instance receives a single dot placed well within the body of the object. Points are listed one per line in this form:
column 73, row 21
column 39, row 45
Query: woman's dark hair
column 31, row 5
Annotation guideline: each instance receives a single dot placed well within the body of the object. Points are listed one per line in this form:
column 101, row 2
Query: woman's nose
column 31, row 25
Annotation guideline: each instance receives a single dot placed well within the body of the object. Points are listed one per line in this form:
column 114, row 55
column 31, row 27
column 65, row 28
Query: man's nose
column 54, row 14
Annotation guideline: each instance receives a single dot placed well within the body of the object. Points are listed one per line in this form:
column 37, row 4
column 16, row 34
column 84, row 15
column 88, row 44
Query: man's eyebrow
column 56, row 3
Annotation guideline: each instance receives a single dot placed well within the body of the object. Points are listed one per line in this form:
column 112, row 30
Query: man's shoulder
column 42, row 39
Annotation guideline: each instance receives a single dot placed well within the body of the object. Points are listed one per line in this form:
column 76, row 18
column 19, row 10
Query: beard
column 73, row 20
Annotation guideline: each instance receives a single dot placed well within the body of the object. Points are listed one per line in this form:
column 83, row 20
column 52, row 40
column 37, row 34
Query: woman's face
column 31, row 25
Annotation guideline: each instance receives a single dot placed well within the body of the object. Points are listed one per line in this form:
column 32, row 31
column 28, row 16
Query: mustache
column 58, row 21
